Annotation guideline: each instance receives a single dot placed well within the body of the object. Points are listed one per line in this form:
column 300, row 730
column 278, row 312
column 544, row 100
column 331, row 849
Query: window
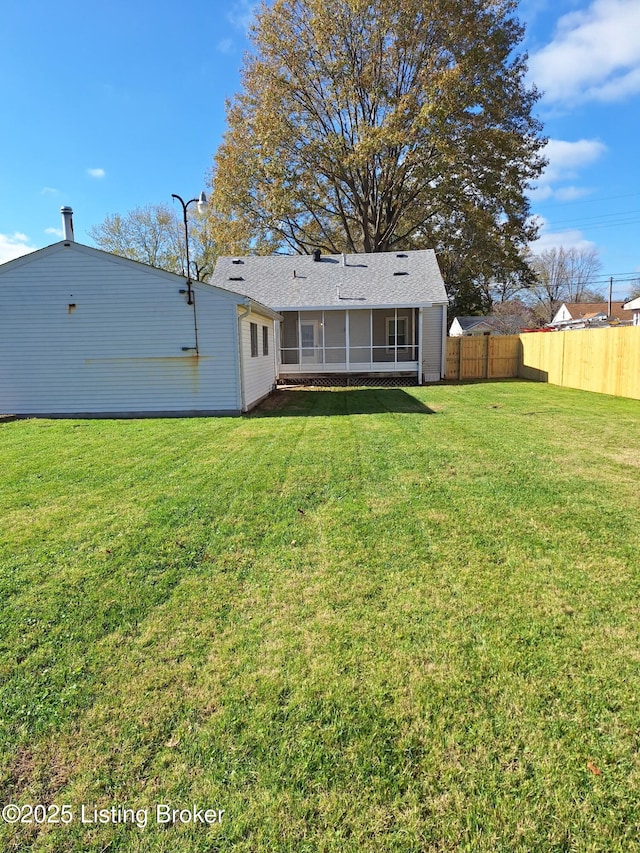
column 253, row 329
column 265, row 340
column 397, row 328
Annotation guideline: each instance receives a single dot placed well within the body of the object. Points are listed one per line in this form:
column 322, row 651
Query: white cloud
column 96, row 173
column 570, row 238
column 594, row 55
column 225, row 46
column 572, row 193
column 14, row 246
column 241, row 14
column 566, row 160
column 48, row 191
column 56, row 232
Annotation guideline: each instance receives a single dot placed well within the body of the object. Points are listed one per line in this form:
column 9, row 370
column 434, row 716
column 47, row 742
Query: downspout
column 195, row 322
column 241, row 317
column 443, row 350
column 277, row 352
column 420, row 322
column 192, row 301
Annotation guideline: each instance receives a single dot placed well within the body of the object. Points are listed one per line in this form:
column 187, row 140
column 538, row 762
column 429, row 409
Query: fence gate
column 483, row 357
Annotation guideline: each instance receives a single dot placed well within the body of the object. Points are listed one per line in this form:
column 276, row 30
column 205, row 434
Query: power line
column 595, row 200
column 601, row 216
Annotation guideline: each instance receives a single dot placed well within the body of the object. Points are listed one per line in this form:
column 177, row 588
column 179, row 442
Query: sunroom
column 378, row 316
column 362, row 340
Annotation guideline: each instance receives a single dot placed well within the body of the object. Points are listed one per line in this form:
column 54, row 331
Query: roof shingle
column 284, row 282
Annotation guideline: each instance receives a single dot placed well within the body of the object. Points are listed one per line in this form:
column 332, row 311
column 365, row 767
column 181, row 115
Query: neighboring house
column 579, row 315
column 374, row 315
column 634, row 306
column 85, row 332
column 499, row 324
column 470, row 326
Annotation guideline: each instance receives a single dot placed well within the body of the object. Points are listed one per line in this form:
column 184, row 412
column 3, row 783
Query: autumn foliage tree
column 154, row 235
column 380, row 125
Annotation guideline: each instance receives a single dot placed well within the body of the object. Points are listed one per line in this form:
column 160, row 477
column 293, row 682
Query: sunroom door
column 311, row 338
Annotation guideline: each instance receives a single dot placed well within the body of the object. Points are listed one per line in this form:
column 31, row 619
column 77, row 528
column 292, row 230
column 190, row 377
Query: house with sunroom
column 86, row 333
column 372, row 315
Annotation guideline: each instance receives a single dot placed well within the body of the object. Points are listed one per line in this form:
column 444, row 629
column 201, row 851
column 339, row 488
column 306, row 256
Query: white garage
column 87, row 333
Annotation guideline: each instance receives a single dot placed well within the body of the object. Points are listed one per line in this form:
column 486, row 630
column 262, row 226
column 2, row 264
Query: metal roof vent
column 316, row 255
column 67, row 224
column 237, row 261
column 401, row 272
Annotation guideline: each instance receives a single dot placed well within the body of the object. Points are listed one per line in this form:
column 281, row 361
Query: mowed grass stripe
column 377, row 619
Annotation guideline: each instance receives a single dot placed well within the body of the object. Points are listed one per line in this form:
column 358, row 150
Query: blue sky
column 110, row 106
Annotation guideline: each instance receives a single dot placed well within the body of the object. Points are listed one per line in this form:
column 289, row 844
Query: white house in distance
column 470, row 326
column 634, row 306
column 374, row 315
column 87, row 333
column 580, row 315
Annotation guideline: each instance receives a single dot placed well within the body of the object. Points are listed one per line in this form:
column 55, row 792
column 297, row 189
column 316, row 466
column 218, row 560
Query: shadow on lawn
column 339, row 401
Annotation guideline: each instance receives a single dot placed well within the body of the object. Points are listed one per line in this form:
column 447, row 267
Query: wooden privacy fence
column 604, row 360
column 486, row 357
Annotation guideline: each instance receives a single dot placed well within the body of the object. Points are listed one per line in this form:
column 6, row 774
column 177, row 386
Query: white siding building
column 87, row 333
column 634, row 305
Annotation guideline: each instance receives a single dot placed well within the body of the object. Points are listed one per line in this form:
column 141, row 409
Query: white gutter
column 241, row 317
column 353, row 303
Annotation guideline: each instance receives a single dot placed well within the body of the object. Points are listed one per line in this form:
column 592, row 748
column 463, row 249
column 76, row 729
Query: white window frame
column 392, row 333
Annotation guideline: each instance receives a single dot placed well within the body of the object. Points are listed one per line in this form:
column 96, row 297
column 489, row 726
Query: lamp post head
column 202, row 203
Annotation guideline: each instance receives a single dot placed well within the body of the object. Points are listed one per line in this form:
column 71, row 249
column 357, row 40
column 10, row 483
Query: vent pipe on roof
column 67, row 224
column 344, row 260
column 316, row 254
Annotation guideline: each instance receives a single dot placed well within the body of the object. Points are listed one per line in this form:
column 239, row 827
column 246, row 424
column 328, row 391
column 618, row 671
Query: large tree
column 154, row 235
column 380, row 125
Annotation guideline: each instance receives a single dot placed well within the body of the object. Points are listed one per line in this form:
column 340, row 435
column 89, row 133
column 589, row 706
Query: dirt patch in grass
column 19, row 774
column 627, row 457
column 42, row 774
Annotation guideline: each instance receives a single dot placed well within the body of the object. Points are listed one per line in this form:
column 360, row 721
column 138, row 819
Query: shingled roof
column 289, row 282
column 589, row 310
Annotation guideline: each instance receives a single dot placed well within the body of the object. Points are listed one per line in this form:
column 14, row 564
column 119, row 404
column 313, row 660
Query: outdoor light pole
column 201, row 201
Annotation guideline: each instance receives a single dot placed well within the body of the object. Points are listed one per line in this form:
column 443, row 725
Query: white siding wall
column 433, row 329
column 120, row 349
column 259, row 372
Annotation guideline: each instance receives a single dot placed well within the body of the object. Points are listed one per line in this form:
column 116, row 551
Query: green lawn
column 357, row 620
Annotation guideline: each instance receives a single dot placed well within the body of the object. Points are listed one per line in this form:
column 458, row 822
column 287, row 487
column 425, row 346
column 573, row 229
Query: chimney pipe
column 67, row 224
